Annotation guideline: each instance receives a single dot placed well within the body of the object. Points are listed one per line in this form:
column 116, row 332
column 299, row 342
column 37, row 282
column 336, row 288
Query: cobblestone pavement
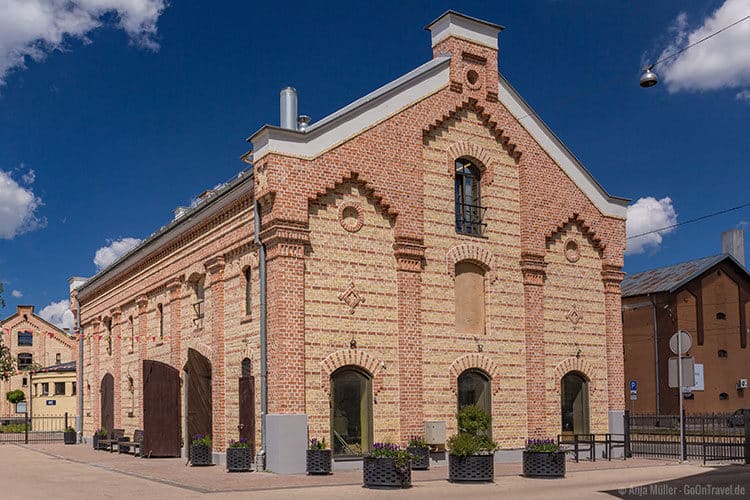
column 44, row 471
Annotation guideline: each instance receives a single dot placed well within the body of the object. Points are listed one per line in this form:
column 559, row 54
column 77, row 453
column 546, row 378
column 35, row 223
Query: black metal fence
column 709, row 437
column 27, row 429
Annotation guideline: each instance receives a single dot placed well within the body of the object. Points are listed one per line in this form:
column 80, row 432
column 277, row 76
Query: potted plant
column 420, row 453
column 318, row 457
column 387, row 466
column 543, row 458
column 200, row 450
column 69, row 436
column 471, row 453
column 238, row 455
column 100, row 433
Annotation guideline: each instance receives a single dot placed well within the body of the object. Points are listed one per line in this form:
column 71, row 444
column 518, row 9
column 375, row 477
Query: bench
column 115, row 436
column 125, row 445
column 580, row 443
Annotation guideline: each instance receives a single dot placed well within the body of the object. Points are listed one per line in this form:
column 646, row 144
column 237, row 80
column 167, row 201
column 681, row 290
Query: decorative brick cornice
column 533, row 269
column 576, row 364
column 612, row 277
column 285, row 240
column 589, row 233
column 409, row 255
column 174, row 284
column 142, row 302
column 351, row 357
column 372, row 194
column 477, row 361
column 116, row 312
column 472, row 253
column 215, row 265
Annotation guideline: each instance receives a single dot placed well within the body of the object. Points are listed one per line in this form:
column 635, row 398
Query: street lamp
column 648, row 78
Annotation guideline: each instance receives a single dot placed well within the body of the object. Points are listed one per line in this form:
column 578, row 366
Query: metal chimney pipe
column 288, row 108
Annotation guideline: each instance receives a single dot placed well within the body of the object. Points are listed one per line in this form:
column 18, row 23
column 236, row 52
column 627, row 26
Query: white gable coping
column 453, row 23
column 608, row 205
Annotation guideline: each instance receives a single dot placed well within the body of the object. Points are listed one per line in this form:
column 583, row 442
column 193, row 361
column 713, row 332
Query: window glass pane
column 24, row 360
column 73, row 388
column 25, row 338
column 59, row 388
column 474, row 388
column 574, row 404
column 45, row 389
column 351, row 413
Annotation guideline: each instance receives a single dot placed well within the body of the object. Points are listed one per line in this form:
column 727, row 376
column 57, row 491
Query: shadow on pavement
column 728, row 481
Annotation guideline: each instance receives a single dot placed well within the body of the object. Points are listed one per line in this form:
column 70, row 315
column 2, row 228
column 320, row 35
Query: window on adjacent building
column 248, row 291
column 24, row 360
column 722, row 353
column 59, row 388
column 721, row 315
column 57, row 358
column 72, row 388
column 24, row 382
column 45, row 388
column 160, row 313
column 25, row 339
column 469, row 290
column 469, row 209
column 723, row 396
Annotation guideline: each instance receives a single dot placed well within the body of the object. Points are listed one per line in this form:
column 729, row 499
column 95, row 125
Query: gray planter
column 471, row 468
column 382, row 472
column 200, row 455
column 238, row 459
column 318, row 462
column 544, row 464
column 422, row 460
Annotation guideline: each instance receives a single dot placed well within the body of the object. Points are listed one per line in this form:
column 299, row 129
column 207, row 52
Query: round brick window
column 572, row 252
column 472, row 79
column 351, row 216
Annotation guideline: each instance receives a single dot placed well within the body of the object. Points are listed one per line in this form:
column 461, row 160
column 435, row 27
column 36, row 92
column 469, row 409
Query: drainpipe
column 656, row 356
column 260, row 460
column 79, row 369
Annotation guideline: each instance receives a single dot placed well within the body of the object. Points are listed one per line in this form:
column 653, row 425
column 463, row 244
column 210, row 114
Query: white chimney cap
column 454, row 23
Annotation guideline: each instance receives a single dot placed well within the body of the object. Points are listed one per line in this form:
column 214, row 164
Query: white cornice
column 464, row 27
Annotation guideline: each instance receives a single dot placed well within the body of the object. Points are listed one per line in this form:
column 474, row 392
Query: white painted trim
column 607, row 205
column 466, row 28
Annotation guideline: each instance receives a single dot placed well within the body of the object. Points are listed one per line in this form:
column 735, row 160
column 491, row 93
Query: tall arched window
column 131, row 324
column 160, row 313
column 247, row 367
column 574, row 395
column 469, row 209
column 248, row 291
column 351, row 412
column 474, row 388
column 469, row 293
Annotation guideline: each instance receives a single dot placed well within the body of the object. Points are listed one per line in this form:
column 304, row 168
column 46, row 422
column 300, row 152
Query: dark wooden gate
column 161, row 410
column 198, row 371
column 247, row 410
column 107, row 393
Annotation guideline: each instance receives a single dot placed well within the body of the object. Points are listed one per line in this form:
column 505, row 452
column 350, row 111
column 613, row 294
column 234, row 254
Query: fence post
column 683, row 444
column 66, row 422
column 25, row 427
column 626, row 430
column 746, row 414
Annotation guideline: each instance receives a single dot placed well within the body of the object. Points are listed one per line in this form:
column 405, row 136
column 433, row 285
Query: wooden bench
column 126, row 445
column 114, row 437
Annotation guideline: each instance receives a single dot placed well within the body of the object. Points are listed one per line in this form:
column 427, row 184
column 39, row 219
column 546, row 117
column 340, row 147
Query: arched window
column 351, row 412
column 57, row 358
column 131, row 324
column 474, row 388
column 248, row 291
column 469, row 293
column 198, row 295
column 160, row 313
column 24, row 360
column 469, row 209
column 574, row 395
column 247, row 367
column 108, row 325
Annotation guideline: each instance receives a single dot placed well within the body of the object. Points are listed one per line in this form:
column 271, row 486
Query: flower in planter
column 201, row 440
column 542, row 446
column 102, row 432
column 417, row 442
column 69, row 429
column 472, row 438
column 390, row 450
column 242, row 443
column 316, row 444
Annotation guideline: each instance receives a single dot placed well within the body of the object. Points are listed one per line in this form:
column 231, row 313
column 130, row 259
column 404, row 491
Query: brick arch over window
column 579, row 365
column 474, row 361
column 471, row 253
column 351, row 357
column 587, row 231
column 478, row 155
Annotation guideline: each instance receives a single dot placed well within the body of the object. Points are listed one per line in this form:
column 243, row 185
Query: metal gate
column 161, row 410
column 107, row 420
column 198, row 371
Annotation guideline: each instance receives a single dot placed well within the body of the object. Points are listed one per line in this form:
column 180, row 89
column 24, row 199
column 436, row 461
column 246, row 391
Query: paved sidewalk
column 44, row 471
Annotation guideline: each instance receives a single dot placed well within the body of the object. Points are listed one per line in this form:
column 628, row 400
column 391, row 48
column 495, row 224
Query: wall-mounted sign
column 698, row 378
column 21, row 407
column 51, row 402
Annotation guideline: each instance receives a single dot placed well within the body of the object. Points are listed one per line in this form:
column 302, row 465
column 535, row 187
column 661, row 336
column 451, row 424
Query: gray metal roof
column 70, row 366
column 670, row 278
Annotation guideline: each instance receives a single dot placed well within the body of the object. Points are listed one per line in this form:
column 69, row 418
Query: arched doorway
column 351, row 412
column 198, row 395
column 574, row 395
column 247, row 403
column 161, row 410
column 107, row 394
column 475, row 388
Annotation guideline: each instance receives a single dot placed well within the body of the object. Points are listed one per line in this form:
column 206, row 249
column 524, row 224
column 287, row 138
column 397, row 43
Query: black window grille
column 25, row 339
column 24, row 360
column 469, row 210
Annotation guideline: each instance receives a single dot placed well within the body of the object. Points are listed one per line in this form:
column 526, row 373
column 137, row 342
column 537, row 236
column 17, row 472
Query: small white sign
column 21, row 407
column 698, row 378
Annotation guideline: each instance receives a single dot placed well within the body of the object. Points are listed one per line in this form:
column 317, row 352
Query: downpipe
column 260, row 459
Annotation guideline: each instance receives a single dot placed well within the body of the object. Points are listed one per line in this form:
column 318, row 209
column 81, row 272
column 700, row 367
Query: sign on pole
column 688, row 371
column 680, row 342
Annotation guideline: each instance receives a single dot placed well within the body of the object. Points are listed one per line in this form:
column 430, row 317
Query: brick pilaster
column 174, row 288
column 612, row 277
column 96, row 384
column 532, row 267
column 215, row 268
column 142, row 341
column 117, row 354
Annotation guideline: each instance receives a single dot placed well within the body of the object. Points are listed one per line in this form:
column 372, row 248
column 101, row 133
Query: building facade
column 710, row 299
column 53, row 391
column 34, row 343
column 431, row 245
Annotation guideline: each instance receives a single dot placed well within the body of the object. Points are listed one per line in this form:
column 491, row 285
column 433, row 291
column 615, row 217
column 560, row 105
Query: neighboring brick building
column 34, row 343
column 431, row 244
column 710, row 299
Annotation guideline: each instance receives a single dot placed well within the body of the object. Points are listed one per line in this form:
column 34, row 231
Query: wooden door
column 107, row 391
column 161, row 410
column 247, row 410
column 199, row 407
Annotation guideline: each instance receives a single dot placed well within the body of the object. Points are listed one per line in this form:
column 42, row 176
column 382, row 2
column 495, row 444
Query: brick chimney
column 733, row 243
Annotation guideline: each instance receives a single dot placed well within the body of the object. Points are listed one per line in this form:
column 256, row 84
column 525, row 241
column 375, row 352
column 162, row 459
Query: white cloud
column 33, row 28
column 59, row 314
column 720, row 62
column 18, row 206
column 105, row 256
column 743, row 95
column 29, row 177
column 645, row 215
column 17, row 294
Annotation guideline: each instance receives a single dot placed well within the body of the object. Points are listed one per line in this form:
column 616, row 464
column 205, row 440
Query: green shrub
column 472, row 439
column 15, row 396
column 201, row 440
column 473, row 420
column 12, row 428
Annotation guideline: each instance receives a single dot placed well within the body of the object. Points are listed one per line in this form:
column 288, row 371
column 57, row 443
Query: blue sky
column 124, row 115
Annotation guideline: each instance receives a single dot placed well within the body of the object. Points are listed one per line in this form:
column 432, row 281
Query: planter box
column 542, row 464
column 238, row 459
column 318, row 462
column 70, row 437
column 471, row 468
column 383, row 473
column 95, row 439
column 422, row 460
column 200, row 455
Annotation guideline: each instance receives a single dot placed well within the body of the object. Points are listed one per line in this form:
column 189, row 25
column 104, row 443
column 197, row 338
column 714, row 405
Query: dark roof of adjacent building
column 670, row 278
column 70, row 366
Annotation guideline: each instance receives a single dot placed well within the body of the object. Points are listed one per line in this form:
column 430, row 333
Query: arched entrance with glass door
column 574, row 396
column 351, row 412
column 475, row 388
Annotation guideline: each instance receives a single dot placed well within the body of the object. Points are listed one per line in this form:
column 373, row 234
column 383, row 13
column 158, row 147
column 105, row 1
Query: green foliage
column 7, row 363
column 11, row 428
column 473, row 420
column 69, row 429
column 542, row 445
column 316, row 444
column 201, row 440
column 2, row 302
column 15, row 396
column 242, row 443
column 102, row 433
column 472, row 439
column 417, row 442
column 389, row 450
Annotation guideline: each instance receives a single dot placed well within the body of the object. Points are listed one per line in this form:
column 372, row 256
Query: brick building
column 431, row 244
column 34, row 343
column 710, row 299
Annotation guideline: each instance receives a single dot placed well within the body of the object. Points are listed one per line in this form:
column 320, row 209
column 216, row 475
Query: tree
column 7, row 363
column 2, row 302
column 15, row 396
